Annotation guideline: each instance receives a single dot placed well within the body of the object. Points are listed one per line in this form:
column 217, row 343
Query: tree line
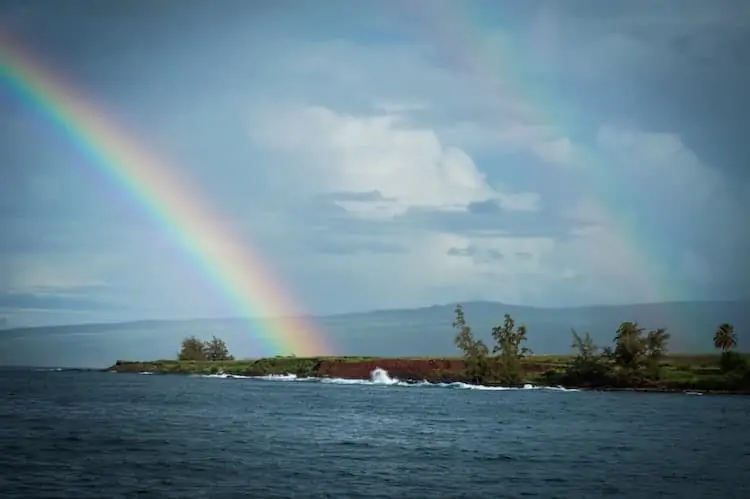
column 634, row 358
column 213, row 350
column 503, row 363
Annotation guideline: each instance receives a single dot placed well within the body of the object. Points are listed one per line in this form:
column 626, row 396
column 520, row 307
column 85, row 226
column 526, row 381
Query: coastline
column 538, row 371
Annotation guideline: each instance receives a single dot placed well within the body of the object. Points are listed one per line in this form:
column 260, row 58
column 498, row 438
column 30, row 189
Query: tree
column 725, row 337
column 587, row 350
column 635, row 351
column 654, row 350
column 508, row 345
column 630, row 345
column 475, row 351
column 656, row 344
column 215, row 349
column 464, row 339
column 508, row 340
column 195, row 349
column 192, row 349
column 589, row 365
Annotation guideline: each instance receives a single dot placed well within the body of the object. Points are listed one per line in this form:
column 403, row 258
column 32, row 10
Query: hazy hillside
column 424, row 331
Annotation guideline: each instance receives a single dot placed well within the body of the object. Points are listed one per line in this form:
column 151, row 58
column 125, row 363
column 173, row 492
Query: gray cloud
column 485, row 207
column 676, row 68
column 549, row 223
column 524, row 256
column 470, row 251
column 353, row 246
column 373, row 195
column 476, row 253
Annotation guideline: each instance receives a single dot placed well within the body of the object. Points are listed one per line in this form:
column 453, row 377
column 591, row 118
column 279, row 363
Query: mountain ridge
column 451, row 305
column 422, row 331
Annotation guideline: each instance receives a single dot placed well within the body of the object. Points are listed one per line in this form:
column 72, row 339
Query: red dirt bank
column 431, row 369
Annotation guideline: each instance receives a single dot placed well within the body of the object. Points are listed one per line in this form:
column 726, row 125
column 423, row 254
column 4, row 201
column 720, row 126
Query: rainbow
column 451, row 30
column 237, row 270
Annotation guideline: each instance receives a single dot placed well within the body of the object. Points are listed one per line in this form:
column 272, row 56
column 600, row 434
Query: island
column 637, row 360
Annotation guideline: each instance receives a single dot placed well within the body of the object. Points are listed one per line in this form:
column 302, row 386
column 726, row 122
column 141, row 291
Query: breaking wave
column 380, row 377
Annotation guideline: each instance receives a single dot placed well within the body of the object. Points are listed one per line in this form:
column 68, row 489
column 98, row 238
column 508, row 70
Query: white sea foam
column 224, row 376
column 280, row 377
column 381, row 377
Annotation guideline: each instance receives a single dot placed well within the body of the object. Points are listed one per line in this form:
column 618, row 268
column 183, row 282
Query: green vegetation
column 213, row 350
column 476, row 353
column 257, row 367
column 637, row 360
column 504, row 365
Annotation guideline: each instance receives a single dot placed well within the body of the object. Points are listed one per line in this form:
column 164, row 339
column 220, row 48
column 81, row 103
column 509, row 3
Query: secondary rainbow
column 237, row 270
column 502, row 70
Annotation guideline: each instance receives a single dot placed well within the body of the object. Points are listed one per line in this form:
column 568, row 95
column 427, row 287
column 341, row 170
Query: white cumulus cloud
column 407, row 165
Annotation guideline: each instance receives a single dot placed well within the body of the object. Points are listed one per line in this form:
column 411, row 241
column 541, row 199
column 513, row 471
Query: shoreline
column 410, row 370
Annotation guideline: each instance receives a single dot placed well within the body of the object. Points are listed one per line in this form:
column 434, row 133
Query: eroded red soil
column 432, row 369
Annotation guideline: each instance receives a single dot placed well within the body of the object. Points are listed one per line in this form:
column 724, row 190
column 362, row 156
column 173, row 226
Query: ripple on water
column 161, row 436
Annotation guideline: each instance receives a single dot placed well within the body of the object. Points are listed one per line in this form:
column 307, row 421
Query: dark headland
column 637, row 360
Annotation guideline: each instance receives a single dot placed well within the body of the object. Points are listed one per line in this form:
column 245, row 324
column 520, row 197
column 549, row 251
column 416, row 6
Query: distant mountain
column 421, row 331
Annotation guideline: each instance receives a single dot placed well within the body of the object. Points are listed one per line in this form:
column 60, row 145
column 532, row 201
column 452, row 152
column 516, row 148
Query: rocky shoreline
column 408, row 370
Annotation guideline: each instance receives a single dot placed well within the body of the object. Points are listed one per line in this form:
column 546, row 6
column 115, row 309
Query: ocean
column 95, row 434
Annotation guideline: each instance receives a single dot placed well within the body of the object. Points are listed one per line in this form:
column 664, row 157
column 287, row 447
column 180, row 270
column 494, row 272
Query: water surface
column 87, row 434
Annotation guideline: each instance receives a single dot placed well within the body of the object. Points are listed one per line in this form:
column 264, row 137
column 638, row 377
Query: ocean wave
column 380, row 377
column 223, row 376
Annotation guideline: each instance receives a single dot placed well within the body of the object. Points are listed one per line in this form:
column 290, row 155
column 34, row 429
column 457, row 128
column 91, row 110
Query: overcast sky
column 388, row 154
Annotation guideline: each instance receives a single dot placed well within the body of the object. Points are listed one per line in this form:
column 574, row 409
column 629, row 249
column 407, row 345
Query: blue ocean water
column 91, row 434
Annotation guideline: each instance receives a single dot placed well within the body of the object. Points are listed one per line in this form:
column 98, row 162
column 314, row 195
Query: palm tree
column 725, row 337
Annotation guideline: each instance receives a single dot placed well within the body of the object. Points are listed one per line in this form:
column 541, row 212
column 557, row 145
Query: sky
column 386, row 154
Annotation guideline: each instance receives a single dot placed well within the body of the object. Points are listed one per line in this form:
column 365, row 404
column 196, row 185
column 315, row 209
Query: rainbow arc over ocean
column 236, row 270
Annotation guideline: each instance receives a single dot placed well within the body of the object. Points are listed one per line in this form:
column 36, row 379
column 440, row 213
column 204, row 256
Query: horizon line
column 361, row 312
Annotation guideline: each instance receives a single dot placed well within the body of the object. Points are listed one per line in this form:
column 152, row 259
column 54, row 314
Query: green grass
column 259, row 367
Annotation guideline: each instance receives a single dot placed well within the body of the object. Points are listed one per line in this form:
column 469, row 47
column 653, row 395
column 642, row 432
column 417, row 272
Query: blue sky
column 389, row 154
